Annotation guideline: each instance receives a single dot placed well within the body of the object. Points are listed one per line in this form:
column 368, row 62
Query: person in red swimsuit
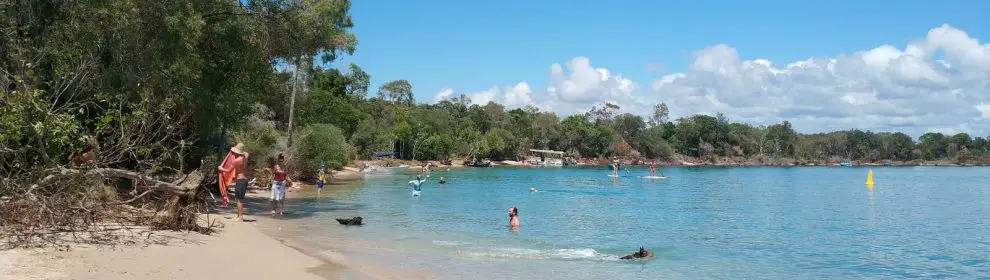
column 279, row 184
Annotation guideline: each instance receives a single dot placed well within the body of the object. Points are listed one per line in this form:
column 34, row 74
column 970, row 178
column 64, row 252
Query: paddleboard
column 653, row 177
column 614, row 176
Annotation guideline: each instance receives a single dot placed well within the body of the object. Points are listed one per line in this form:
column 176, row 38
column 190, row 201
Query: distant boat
column 479, row 164
column 846, row 163
column 548, row 158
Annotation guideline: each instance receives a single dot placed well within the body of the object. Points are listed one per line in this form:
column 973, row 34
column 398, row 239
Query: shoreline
column 238, row 250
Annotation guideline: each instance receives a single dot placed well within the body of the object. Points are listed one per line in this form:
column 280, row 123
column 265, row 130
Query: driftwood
column 185, row 186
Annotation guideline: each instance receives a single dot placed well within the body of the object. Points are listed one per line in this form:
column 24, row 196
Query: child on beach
column 322, row 179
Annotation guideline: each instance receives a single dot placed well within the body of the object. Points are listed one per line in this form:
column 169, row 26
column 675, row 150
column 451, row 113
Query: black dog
column 642, row 253
column 356, row 221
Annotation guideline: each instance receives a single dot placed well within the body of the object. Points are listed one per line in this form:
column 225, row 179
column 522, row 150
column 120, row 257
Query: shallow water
column 700, row 223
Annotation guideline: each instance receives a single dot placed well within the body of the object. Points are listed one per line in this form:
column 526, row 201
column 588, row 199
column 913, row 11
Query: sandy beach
column 239, row 250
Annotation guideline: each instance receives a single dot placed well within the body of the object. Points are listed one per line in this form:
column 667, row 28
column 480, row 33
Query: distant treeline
column 456, row 128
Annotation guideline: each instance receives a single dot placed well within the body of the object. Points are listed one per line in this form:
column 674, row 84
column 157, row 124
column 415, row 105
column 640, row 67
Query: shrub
column 322, row 143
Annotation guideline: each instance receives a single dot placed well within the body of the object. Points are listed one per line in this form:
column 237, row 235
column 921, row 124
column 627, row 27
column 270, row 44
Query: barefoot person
column 240, row 190
column 279, row 184
column 233, row 164
column 322, row 178
column 513, row 217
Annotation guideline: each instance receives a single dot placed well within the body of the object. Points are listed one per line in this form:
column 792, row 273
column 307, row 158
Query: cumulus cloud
column 933, row 82
column 572, row 90
column 443, row 94
column 938, row 82
column 517, row 96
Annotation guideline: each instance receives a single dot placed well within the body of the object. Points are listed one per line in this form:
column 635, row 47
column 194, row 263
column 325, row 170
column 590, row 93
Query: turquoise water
column 700, row 223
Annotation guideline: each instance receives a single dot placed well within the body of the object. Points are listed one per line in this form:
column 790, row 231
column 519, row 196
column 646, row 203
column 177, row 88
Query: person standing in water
column 652, row 165
column 615, row 167
column 417, row 185
column 513, row 217
column 279, row 184
column 322, row 178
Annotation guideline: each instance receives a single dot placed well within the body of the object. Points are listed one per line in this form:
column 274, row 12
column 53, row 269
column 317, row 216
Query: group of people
column 616, row 165
column 233, row 170
column 417, row 186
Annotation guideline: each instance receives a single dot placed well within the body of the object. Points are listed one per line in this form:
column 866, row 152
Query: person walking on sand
column 279, row 184
column 322, row 178
column 513, row 217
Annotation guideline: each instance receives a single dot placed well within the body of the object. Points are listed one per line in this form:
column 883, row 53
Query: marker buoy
column 869, row 177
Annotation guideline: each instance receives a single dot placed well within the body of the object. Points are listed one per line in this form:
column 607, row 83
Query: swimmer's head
column 532, row 189
column 513, row 211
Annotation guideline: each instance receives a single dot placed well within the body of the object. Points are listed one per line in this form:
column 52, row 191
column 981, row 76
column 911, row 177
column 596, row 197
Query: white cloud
column 443, row 94
column 884, row 88
column 518, row 96
column 939, row 82
column 984, row 109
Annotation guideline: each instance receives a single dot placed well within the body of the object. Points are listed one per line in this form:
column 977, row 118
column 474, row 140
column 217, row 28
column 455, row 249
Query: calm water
column 701, row 223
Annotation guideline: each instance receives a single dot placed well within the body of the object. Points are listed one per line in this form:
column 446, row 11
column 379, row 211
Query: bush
column 322, row 143
column 260, row 138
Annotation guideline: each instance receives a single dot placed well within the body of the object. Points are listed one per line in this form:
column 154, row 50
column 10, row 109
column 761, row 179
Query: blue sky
column 470, row 46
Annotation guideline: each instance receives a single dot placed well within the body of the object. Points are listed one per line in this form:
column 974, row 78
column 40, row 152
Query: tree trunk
column 292, row 101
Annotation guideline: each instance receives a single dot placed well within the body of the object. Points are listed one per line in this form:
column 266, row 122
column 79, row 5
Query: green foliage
column 933, row 146
column 324, row 107
column 399, row 92
column 651, row 144
column 322, row 143
column 372, row 136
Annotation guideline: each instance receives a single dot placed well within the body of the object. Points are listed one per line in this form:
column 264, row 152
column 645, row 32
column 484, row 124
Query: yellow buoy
column 869, row 177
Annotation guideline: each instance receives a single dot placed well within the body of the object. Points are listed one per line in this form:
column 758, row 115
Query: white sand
column 240, row 251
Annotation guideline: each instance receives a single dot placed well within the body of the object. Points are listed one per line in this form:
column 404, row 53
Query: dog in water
column 642, row 253
column 356, row 221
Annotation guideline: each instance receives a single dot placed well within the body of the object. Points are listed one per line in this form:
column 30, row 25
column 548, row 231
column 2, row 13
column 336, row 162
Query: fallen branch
column 188, row 184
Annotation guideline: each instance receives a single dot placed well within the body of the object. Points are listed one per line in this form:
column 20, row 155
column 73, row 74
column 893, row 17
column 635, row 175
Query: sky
column 912, row 66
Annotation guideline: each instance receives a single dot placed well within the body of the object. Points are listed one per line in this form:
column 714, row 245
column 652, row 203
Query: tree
column 398, row 92
column 372, row 136
column 603, row 114
column 933, row 146
column 660, row 115
column 629, row 126
column 781, row 137
column 322, row 143
column 358, row 82
column 652, row 145
column 900, row 146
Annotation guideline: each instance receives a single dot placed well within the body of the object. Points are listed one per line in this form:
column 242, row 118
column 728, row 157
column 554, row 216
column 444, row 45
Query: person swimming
column 533, row 189
column 513, row 217
column 442, row 180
